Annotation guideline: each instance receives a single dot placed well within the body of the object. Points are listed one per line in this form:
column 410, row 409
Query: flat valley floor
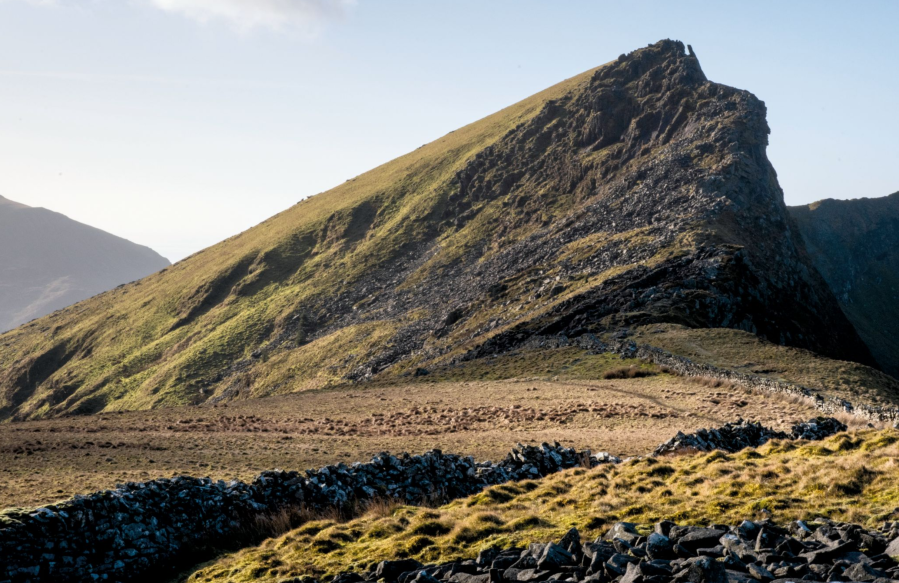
column 46, row 461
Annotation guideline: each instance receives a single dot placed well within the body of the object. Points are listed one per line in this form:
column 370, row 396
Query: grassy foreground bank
column 851, row 476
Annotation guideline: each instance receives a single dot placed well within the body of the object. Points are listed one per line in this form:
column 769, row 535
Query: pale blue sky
column 177, row 123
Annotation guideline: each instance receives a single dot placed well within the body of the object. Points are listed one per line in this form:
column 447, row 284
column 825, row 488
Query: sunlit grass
column 851, row 476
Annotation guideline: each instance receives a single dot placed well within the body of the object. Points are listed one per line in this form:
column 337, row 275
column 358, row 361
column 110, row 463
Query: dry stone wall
column 732, row 437
column 685, row 367
column 138, row 530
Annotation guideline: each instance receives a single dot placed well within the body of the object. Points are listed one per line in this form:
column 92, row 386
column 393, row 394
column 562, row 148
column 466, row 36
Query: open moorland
column 468, row 411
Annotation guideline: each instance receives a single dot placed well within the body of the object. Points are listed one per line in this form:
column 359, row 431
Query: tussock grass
column 381, row 507
column 713, row 383
column 852, row 476
column 431, row 528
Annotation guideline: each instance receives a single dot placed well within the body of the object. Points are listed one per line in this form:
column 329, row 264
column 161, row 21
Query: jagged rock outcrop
column 689, row 163
column 855, row 246
column 638, row 192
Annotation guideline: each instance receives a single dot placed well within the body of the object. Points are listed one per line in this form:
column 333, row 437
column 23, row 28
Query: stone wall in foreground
column 140, row 530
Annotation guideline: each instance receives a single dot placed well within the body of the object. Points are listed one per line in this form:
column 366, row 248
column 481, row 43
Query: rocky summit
column 635, row 193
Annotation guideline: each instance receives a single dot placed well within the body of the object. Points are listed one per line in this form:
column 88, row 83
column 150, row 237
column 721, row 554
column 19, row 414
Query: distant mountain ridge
column 855, row 246
column 48, row 262
column 636, row 193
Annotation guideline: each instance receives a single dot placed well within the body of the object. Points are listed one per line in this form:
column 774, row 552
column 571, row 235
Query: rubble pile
column 816, row 429
column 736, row 436
column 750, row 552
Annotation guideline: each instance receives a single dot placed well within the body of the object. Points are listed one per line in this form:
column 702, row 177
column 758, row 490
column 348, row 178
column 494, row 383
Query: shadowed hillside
column 48, row 262
column 855, row 246
column 633, row 194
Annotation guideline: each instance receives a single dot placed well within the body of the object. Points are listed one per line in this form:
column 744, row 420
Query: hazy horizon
column 178, row 123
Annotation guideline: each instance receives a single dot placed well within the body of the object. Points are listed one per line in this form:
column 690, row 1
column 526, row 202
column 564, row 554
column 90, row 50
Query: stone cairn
column 752, row 552
column 139, row 528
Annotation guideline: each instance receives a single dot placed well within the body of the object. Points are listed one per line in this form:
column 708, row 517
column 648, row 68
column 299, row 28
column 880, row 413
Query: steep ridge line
column 140, row 529
column 636, row 193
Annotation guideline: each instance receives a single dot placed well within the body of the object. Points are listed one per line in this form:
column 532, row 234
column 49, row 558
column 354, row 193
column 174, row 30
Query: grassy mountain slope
column 155, row 342
column 846, row 477
column 635, row 193
column 48, row 262
column 855, row 246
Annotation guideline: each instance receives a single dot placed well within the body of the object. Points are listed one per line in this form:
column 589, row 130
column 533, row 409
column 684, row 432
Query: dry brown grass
column 380, row 507
column 848, row 419
column 714, row 383
column 44, row 461
column 853, row 422
column 284, row 520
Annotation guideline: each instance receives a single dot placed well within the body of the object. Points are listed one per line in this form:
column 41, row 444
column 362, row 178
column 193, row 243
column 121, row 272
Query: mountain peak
column 636, row 193
column 680, row 64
